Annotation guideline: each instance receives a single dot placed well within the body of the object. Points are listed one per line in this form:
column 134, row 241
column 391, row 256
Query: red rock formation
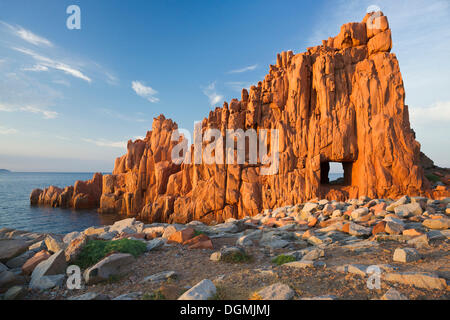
column 343, row 101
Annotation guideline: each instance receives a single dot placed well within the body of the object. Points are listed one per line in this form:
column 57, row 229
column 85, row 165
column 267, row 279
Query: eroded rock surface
column 342, row 101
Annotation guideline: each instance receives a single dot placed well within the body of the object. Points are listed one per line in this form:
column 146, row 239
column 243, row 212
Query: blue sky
column 70, row 99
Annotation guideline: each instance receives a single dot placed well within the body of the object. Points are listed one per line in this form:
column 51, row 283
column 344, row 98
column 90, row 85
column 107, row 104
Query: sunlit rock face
column 342, row 101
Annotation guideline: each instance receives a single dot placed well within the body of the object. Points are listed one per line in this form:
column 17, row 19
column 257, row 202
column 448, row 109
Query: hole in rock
column 336, row 173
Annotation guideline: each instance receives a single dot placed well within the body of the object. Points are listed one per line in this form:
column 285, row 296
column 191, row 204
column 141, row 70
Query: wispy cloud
column 144, row 91
column 238, row 85
column 45, row 113
column 436, row 114
column 28, row 36
column 245, row 69
column 107, row 143
column 120, row 116
column 57, row 65
column 6, row 130
column 36, row 68
column 211, row 92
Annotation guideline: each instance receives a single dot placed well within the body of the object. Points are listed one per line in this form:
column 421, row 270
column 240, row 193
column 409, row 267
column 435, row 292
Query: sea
column 16, row 212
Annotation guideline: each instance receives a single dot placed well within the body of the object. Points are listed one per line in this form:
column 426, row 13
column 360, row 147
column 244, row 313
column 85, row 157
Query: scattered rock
column 406, row 255
column 203, row 290
column 113, row 265
column 181, row 236
column 75, row 247
column 54, row 244
column 393, row 228
column 90, row 296
column 129, row 296
column 155, row 244
column 8, row 279
column 55, row 265
column 438, row 224
column 15, row 293
column 277, row 291
column 161, row 276
column 417, row 279
column 11, row 248
column 71, row 236
column 47, row 282
column 31, row 263
column 19, row 261
column 393, row 294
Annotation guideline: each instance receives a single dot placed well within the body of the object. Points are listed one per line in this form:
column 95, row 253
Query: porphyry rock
column 342, row 101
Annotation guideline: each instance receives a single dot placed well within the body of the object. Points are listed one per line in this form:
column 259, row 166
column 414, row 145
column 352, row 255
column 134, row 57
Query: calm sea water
column 16, row 213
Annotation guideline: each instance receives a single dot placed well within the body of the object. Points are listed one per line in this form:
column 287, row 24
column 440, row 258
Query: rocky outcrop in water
column 342, row 101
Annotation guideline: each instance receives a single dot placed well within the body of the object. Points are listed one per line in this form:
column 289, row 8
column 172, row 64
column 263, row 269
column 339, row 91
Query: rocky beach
column 228, row 231
column 316, row 250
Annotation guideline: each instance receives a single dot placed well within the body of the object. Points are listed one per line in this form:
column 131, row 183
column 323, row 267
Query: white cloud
column 211, row 93
column 245, row 69
column 238, row 85
column 28, row 36
column 118, row 115
column 144, row 91
column 50, row 63
column 5, row 130
column 47, row 114
column 33, row 38
column 36, row 68
column 438, row 113
column 107, row 143
column 6, row 108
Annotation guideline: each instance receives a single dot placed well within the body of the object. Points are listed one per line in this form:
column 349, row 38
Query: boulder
column 8, row 279
column 54, row 243
column 155, row 244
column 437, row 224
column 181, row 236
column 31, row 263
column 204, row 290
column 277, row 291
column 52, row 267
column 10, row 248
column 393, row 294
column 114, row 265
column 15, row 293
column 75, row 247
column 47, row 282
column 382, row 42
column 19, row 261
column 406, row 255
column 423, row 280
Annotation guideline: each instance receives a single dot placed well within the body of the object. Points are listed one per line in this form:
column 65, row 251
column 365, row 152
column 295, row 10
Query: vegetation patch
column 96, row 250
column 197, row 233
column 236, row 257
column 155, row 295
column 282, row 259
column 433, row 178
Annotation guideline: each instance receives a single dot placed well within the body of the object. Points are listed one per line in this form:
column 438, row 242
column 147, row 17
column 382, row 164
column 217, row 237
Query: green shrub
column 433, row 178
column 197, row 233
column 96, row 250
column 282, row 259
column 236, row 257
